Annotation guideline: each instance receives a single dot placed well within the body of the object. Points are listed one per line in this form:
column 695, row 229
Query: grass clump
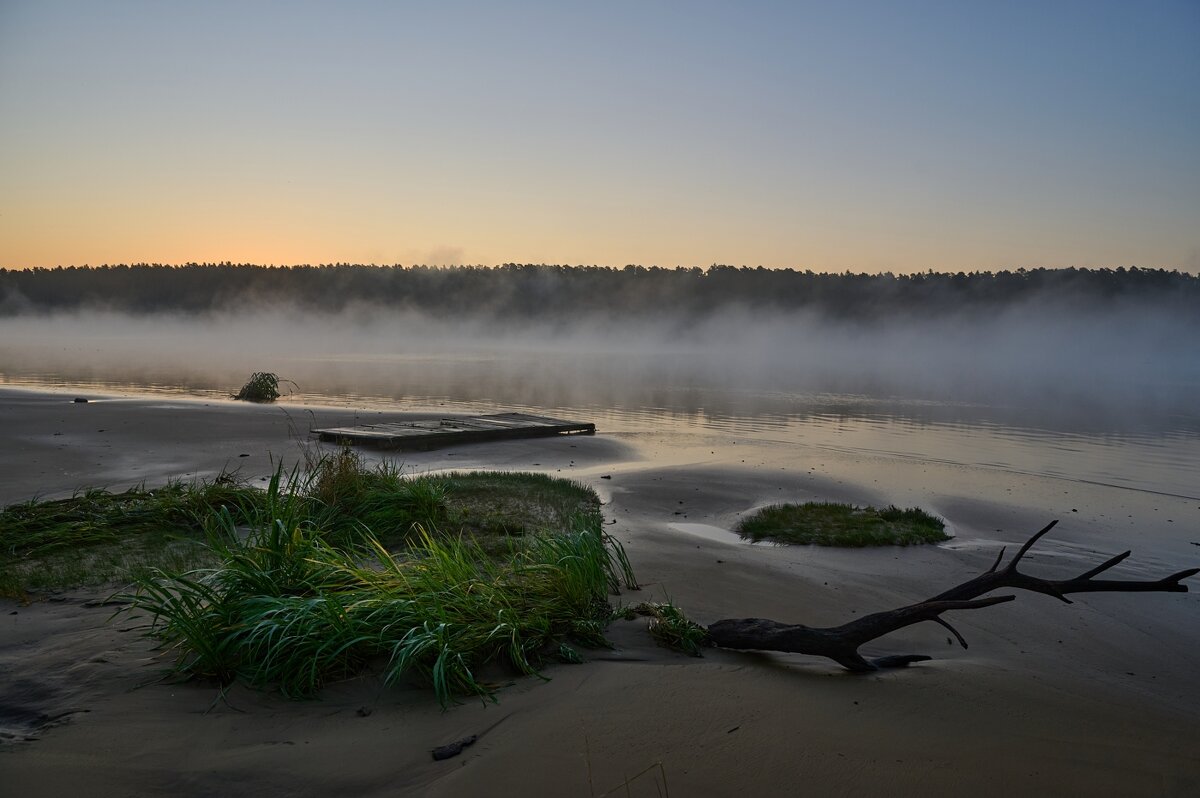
column 495, row 508
column 287, row 609
column 263, row 386
column 671, row 628
column 99, row 536
column 501, row 504
column 337, row 566
column 96, row 516
column 342, row 494
column 834, row 524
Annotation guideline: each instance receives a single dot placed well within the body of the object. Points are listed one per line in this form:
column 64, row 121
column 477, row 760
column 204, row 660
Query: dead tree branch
column 841, row 643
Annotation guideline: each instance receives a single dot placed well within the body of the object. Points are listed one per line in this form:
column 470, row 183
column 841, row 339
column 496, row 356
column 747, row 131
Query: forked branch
column 841, row 643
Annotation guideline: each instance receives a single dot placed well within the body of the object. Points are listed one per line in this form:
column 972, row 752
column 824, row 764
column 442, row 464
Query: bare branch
column 1104, row 566
column 961, row 641
column 1029, row 544
column 841, row 643
column 999, row 559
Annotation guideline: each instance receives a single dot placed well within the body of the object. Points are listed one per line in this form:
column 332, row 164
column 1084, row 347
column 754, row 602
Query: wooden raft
column 436, row 433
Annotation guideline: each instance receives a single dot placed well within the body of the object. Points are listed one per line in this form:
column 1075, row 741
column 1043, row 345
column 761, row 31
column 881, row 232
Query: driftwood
column 841, row 643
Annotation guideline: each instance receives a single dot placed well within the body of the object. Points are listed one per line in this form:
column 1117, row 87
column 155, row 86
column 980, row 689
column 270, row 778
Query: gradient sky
column 868, row 136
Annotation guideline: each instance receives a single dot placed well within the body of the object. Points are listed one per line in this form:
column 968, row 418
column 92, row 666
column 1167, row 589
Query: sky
column 861, row 136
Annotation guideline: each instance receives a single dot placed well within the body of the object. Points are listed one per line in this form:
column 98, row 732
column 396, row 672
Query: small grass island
column 836, row 524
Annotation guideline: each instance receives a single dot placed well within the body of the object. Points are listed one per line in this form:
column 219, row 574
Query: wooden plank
column 377, row 431
column 436, row 433
column 476, row 423
column 499, row 421
column 529, row 418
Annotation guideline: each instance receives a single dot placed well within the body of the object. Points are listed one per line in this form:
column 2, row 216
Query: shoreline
column 1094, row 697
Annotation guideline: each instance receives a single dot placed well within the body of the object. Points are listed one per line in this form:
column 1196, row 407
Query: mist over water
column 1130, row 364
column 1103, row 397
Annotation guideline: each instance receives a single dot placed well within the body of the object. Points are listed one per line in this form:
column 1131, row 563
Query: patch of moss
column 834, row 524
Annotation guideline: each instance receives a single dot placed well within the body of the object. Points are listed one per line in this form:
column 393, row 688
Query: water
column 679, row 408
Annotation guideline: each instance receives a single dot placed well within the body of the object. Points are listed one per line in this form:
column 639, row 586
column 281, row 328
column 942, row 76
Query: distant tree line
column 555, row 292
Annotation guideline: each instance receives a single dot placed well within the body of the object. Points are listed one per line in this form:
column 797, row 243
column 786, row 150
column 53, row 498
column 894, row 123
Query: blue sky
column 865, row 136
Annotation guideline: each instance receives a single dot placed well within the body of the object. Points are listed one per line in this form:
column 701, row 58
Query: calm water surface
column 1147, row 447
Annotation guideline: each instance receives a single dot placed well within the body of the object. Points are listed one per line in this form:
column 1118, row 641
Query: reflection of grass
column 831, row 524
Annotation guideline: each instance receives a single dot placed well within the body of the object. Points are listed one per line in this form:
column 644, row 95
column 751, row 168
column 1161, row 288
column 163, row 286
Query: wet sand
column 1098, row 697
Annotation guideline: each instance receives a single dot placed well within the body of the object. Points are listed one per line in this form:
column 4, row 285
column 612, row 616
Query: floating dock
column 437, row 433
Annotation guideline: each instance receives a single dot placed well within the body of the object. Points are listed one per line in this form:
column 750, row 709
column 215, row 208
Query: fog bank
column 1130, row 361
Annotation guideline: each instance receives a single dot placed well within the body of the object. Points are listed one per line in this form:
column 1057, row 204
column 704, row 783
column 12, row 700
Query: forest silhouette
column 553, row 292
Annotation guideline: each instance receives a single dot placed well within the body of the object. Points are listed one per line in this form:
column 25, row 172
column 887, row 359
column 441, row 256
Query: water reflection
column 1153, row 447
column 713, row 533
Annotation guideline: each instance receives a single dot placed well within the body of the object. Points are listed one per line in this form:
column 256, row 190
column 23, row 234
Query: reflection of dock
column 436, row 433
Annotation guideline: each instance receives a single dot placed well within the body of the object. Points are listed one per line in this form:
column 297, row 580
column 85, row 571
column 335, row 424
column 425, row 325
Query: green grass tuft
column 287, row 610
column 35, row 528
column 336, row 566
column 671, row 628
column 832, row 524
column 507, row 504
column 97, row 536
column 263, row 386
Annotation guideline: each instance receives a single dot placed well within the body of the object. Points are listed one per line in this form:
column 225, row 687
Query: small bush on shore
column 833, row 524
column 263, row 386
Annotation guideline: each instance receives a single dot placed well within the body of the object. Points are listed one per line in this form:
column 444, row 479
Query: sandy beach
column 1098, row 697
